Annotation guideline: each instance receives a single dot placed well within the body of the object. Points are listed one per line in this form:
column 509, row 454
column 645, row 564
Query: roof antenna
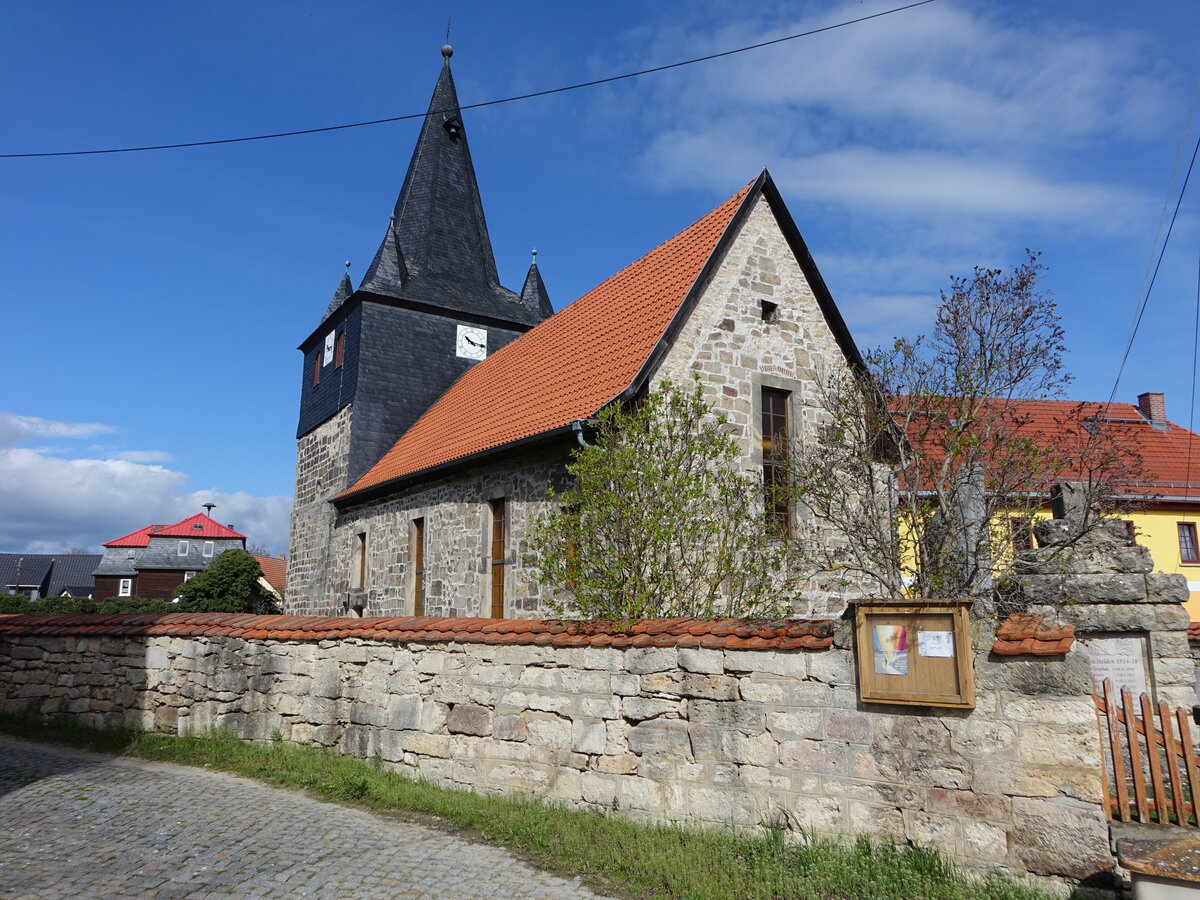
column 447, row 50
column 208, row 508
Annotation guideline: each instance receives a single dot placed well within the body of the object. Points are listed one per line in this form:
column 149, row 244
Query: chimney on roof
column 1153, row 405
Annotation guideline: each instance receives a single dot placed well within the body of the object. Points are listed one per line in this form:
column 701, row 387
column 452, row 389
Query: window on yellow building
column 1020, row 533
column 1187, row 543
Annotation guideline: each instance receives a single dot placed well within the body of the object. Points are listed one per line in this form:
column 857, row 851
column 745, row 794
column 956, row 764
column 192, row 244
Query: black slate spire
column 341, row 295
column 387, row 272
column 437, row 250
column 533, row 294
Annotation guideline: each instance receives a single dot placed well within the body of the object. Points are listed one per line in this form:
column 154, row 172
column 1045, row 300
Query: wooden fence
column 1149, row 770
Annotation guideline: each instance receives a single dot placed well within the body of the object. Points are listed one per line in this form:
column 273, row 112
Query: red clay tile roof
column 1164, row 451
column 139, row 538
column 208, row 529
column 566, row 368
column 1023, row 633
column 1194, row 631
column 274, row 569
column 721, row 634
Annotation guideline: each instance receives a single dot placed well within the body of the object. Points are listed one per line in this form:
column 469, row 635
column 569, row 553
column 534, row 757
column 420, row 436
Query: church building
column 438, row 408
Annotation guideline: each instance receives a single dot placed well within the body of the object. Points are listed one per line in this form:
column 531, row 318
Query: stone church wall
column 457, row 515
column 321, row 460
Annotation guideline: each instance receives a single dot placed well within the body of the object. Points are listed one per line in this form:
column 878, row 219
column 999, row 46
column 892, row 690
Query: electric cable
column 1140, row 311
column 558, row 90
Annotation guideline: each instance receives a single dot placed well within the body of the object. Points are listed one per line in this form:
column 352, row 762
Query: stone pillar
column 1105, row 588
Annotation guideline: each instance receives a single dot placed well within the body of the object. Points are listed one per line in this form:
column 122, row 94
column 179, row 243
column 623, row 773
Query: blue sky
column 158, row 297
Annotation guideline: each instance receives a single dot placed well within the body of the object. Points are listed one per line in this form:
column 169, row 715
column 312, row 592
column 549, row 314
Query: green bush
column 230, row 585
column 49, row 606
column 13, row 603
column 124, row 605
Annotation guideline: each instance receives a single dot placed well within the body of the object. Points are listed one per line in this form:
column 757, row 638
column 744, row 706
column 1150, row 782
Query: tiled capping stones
column 731, row 634
column 722, row 723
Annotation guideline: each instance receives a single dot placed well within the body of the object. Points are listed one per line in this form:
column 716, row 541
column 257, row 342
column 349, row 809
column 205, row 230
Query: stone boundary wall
column 701, row 723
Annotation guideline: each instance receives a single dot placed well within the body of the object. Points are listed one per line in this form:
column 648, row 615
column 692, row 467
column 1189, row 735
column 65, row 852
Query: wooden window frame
column 1020, row 534
column 418, row 554
column 1189, row 555
column 498, row 555
column 316, row 378
column 775, row 425
column 339, row 350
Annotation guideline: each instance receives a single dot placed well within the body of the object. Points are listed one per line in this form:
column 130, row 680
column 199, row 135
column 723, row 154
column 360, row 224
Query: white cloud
column 940, row 110
column 144, row 456
column 52, row 503
column 16, row 429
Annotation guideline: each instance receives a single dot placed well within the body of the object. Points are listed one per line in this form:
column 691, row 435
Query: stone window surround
column 795, row 390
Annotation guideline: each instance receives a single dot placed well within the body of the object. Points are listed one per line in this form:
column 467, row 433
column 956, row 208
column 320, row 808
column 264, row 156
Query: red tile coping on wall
column 1026, row 633
column 720, row 634
column 1194, row 631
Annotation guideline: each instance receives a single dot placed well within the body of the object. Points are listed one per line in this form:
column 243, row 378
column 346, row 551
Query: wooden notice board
column 918, row 654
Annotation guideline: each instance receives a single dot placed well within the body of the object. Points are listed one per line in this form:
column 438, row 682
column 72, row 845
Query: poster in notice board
column 917, row 654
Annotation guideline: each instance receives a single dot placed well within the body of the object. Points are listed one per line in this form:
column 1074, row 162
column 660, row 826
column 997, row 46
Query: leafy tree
column 661, row 521
column 928, row 456
column 230, row 584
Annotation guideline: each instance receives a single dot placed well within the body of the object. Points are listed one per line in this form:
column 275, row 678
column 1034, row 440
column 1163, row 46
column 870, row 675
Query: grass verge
column 611, row 853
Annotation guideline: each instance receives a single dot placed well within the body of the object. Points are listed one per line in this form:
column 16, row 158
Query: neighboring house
column 419, row 497
column 1166, row 493
column 38, row 575
column 154, row 561
column 274, row 574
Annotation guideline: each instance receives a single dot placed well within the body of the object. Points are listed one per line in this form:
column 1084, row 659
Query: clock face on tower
column 471, row 342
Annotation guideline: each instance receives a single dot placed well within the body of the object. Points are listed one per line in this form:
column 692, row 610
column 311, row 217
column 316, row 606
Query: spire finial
column 347, row 267
column 447, row 50
column 392, row 219
column 534, row 253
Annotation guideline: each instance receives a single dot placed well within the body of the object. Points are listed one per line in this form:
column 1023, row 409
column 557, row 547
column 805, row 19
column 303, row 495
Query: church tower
column 429, row 306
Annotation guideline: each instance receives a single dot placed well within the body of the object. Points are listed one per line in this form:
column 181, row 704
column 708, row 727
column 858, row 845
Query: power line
column 558, row 90
column 1141, row 309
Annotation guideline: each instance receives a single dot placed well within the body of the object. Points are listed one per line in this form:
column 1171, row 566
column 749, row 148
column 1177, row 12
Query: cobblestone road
column 79, row 825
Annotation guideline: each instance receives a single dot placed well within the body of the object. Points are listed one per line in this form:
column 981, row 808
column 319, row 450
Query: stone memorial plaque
column 1122, row 660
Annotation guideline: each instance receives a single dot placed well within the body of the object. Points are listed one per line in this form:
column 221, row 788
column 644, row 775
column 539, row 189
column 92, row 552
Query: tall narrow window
column 774, row 454
column 317, row 370
column 499, row 555
column 358, row 576
column 339, row 350
column 1187, row 543
column 418, row 558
